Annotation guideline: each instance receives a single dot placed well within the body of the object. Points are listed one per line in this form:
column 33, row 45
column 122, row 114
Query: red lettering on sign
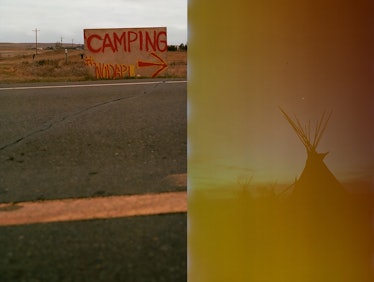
column 107, row 43
column 89, row 43
column 132, row 37
column 148, row 41
column 126, row 42
column 141, row 41
column 161, row 40
column 120, row 40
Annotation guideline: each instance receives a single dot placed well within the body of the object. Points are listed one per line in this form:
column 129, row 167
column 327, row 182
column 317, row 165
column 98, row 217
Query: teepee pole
column 322, row 127
column 304, row 132
column 297, row 129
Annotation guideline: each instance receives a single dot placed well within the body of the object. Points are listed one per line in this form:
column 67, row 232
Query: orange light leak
column 92, row 208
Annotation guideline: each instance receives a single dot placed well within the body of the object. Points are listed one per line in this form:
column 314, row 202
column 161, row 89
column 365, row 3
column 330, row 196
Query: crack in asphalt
column 50, row 125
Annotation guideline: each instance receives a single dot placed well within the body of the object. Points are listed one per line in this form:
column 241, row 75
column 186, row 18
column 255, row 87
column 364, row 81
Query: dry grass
column 18, row 65
column 177, row 64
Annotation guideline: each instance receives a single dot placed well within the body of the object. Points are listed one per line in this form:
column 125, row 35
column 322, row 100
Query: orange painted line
column 92, row 208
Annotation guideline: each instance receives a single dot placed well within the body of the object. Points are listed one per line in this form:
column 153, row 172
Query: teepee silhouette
column 316, row 184
column 324, row 219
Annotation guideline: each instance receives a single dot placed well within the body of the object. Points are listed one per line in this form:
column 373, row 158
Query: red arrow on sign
column 161, row 63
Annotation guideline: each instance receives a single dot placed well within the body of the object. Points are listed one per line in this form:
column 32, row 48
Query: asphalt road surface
column 66, row 141
column 88, row 141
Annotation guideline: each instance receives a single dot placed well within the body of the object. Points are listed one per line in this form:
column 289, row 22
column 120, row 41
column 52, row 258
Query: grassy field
column 18, row 64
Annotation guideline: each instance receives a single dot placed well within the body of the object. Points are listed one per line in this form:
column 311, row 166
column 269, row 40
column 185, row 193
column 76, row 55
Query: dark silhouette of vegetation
column 182, row 47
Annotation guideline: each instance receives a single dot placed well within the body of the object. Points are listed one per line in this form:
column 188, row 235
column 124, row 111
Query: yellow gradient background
column 247, row 58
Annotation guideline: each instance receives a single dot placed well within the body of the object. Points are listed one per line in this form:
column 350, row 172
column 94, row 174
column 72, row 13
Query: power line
column 36, row 40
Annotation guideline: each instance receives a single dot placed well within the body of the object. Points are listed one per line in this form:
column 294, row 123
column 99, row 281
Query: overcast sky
column 68, row 18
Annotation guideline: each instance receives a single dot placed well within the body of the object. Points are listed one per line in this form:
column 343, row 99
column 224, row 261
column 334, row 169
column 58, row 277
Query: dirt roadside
column 18, row 64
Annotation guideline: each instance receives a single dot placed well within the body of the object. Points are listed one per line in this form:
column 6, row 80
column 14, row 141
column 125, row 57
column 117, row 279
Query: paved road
column 74, row 141
column 91, row 141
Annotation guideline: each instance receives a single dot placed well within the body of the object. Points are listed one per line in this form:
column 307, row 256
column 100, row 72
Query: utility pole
column 36, row 40
column 61, row 41
column 72, row 43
